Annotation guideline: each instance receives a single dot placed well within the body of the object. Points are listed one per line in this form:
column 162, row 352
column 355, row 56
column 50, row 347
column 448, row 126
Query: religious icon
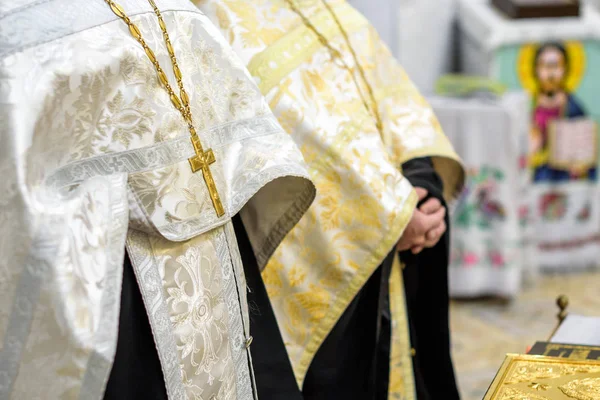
column 563, row 139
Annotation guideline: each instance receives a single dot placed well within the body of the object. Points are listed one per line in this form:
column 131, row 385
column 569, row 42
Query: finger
column 440, row 230
column 401, row 246
column 434, row 236
column 421, row 193
column 404, row 245
column 417, row 250
column 436, row 232
column 430, row 221
column 431, row 206
column 419, row 241
column 443, row 228
column 431, row 243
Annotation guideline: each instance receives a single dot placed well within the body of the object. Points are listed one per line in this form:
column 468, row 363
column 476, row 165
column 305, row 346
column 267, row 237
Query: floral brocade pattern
column 363, row 201
column 96, row 158
column 199, row 309
column 194, row 282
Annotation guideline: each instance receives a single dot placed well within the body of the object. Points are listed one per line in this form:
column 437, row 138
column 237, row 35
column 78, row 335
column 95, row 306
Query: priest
column 131, row 136
column 426, row 267
column 357, row 119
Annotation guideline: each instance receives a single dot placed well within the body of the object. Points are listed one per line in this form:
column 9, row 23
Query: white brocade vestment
column 93, row 159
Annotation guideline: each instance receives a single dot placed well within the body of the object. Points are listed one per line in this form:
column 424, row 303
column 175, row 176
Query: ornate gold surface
column 583, row 389
column 524, row 377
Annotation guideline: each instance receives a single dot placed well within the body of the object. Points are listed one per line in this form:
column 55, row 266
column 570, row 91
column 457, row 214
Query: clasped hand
column 426, row 226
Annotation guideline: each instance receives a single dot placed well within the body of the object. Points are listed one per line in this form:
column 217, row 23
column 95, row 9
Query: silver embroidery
column 161, row 154
column 239, row 323
column 148, row 277
column 231, row 292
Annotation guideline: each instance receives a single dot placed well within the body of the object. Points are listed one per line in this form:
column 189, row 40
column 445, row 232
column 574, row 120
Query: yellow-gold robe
column 363, row 202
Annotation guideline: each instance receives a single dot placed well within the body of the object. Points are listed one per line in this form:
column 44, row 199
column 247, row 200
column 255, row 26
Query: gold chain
column 372, row 109
column 202, row 159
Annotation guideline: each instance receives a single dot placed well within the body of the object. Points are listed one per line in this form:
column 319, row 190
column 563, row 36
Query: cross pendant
column 202, row 161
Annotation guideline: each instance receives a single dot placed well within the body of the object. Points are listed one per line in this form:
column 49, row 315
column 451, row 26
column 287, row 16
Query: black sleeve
column 421, row 173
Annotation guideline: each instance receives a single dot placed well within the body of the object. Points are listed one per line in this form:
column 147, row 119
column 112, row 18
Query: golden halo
column 525, row 68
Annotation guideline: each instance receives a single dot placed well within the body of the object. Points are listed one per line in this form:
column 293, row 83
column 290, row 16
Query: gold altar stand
column 557, row 372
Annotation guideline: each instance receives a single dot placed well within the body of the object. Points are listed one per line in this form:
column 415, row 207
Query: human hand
column 433, row 236
column 415, row 235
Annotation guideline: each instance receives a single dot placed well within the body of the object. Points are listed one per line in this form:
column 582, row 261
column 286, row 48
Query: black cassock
column 345, row 364
column 427, row 299
column 136, row 372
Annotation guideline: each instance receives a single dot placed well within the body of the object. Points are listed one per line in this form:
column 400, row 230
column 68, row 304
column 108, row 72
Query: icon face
column 550, row 69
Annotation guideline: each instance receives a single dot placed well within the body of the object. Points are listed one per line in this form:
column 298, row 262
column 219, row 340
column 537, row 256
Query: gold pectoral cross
column 202, row 161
